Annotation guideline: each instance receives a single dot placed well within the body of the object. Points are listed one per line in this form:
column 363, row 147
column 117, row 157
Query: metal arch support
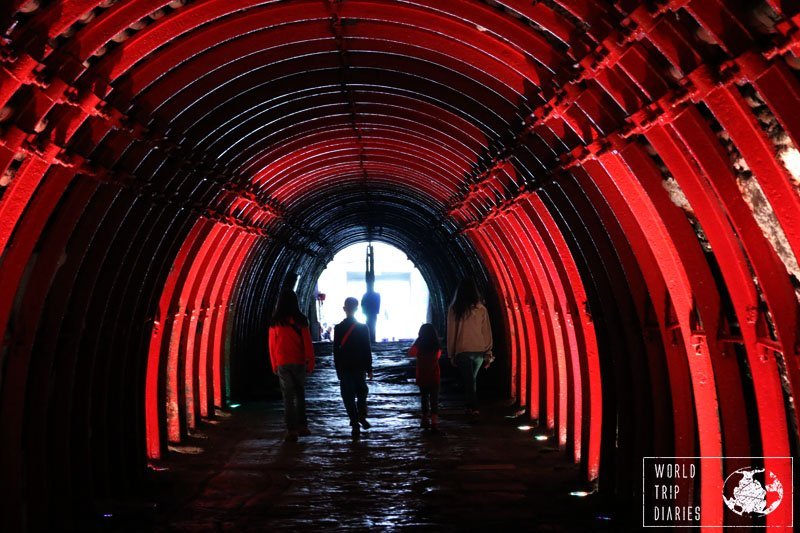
column 556, row 255
column 155, row 393
column 626, row 192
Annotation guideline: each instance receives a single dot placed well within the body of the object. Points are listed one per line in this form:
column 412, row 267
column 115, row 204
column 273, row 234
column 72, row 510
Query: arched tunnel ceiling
column 325, row 112
column 621, row 177
column 297, row 98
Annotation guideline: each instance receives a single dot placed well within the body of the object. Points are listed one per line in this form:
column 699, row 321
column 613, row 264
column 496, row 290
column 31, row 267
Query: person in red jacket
column 426, row 350
column 292, row 356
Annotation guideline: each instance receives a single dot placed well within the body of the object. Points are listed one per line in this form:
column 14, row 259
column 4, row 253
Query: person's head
column 350, row 306
column 288, row 310
column 466, row 297
column 427, row 338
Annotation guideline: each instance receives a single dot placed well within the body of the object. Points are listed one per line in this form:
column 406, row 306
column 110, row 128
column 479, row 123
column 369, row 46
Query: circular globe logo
column 752, row 492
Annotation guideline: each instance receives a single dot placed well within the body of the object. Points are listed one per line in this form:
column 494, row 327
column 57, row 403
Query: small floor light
column 541, row 437
column 524, row 428
column 235, row 405
column 579, row 493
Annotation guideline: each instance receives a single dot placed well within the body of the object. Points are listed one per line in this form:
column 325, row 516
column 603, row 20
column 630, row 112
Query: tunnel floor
column 239, row 475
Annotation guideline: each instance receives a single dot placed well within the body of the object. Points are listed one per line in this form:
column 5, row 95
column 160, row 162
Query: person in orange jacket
column 292, row 357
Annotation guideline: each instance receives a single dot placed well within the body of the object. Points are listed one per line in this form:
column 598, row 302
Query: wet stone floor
column 485, row 475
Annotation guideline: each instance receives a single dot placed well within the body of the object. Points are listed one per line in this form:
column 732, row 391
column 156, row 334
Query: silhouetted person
column 352, row 356
column 426, row 350
column 469, row 338
column 371, row 306
column 292, row 356
column 371, row 301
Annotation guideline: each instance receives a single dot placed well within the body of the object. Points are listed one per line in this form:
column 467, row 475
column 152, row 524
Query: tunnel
column 622, row 179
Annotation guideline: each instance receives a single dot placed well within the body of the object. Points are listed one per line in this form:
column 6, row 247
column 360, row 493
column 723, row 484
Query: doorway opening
column 404, row 296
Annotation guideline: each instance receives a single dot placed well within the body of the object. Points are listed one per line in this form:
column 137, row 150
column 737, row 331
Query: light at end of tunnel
column 541, row 437
column 524, row 428
column 235, row 405
column 107, row 515
column 579, row 493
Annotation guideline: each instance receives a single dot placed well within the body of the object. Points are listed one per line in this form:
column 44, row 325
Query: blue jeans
column 468, row 365
column 292, row 379
column 353, row 384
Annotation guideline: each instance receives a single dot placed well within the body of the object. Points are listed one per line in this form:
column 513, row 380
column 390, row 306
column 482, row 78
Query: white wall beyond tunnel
column 404, row 293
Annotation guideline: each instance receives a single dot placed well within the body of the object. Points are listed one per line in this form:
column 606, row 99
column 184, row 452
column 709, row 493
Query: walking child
column 427, row 351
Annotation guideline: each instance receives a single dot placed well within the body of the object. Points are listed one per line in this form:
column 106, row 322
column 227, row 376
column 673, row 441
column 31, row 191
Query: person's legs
column 477, row 363
column 468, row 364
column 289, row 392
column 348, row 388
column 299, row 376
column 361, row 398
column 425, row 394
column 464, row 363
column 433, row 391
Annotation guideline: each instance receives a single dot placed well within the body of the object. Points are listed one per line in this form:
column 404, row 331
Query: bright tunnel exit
column 402, row 289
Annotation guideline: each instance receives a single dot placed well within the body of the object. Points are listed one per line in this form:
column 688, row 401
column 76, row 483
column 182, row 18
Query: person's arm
column 413, row 351
column 451, row 334
column 308, row 350
column 273, row 344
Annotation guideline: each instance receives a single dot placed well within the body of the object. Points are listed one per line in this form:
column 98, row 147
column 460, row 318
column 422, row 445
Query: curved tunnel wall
column 618, row 176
